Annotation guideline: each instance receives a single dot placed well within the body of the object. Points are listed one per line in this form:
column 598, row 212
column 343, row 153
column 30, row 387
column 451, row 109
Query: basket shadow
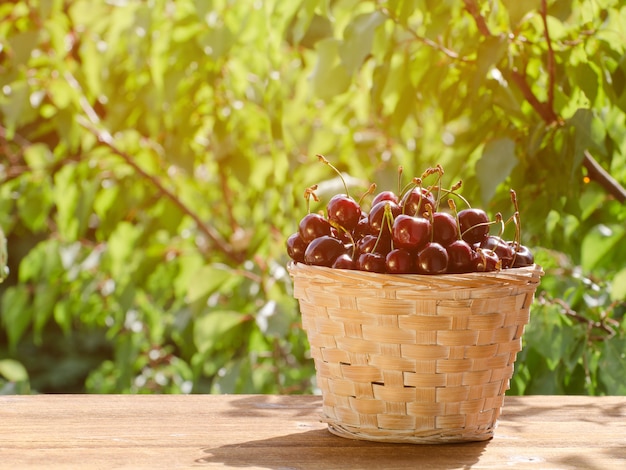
column 319, row 448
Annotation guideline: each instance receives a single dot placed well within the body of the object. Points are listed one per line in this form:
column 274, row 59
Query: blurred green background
column 154, row 154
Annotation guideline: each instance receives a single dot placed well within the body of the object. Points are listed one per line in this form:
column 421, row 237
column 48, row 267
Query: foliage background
column 153, row 156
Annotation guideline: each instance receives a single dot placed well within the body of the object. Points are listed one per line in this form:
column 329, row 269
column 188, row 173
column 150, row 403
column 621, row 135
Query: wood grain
column 284, row 432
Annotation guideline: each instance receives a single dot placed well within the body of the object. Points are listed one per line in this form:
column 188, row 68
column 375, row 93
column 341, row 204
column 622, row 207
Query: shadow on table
column 319, row 449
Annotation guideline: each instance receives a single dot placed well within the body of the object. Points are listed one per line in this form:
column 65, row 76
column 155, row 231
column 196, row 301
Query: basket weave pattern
column 413, row 358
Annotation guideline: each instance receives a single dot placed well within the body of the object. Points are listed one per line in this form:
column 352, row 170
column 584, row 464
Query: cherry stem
column 452, row 192
column 341, row 228
column 323, row 159
column 369, row 191
column 518, row 222
column 400, row 171
column 308, row 194
column 452, row 206
column 387, row 220
column 431, row 217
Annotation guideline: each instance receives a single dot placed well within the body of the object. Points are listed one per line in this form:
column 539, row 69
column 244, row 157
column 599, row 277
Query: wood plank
column 284, row 432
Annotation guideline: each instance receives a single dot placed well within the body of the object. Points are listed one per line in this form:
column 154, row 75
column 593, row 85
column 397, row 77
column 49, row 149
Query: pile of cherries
column 406, row 232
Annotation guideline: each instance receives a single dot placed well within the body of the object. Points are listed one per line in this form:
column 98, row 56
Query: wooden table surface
column 284, row 432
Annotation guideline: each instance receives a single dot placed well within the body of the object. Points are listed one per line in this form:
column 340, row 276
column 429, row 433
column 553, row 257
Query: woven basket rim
column 526, row 275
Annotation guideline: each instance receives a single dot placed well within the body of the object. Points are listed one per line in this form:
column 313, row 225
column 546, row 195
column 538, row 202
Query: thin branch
column 91, row 122
column 428, row 42
column 598, row 174
column 105, row 138
column 550, row 64
column 543, row 109
column 472, row 8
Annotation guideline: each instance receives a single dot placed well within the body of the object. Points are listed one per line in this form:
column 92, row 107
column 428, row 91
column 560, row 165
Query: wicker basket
column 413, row 358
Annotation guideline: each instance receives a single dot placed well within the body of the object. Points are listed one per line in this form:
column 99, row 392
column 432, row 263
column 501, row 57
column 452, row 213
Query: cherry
column 323, row 251
column 501, row 248
column 343, row 210
column 473, row 224
column 372, row 262
column 522, row 256
column 385, row 196
column 432, row 259
column 376, row 215
column 460, row 257
column 410, row 232
column 312, row 226
column 343, row 261
column 445, row 230
column 400, row 261
column 362, row 227
column 414, row 202
column 296, row 247
column 486, row 260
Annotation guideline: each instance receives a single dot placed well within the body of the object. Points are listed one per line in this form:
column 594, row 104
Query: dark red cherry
column 460, row 257
column 385, row 196
column 323, row 251
column 296, row 247
column 522, row 256
column 344, row 211
column 410, row 232
column 362, row 228
column 376, row 215
column 432, row 259
column 486, row 260
column 313, row 226
column 343, row 261
column 400, row 261
column 366, row 244
column 501, row 248
column 445, row 230
column 372, row 262
column 414, row 202
column 471, row 231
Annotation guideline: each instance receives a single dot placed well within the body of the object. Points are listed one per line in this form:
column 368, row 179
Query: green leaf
column 206, row 281
column 329, row 77
column 212, row 329
column 13, row 370
column 599, row 242
column 357, row 39
column 518, row 10
column 618, row 286
column 16, row 313
column 495, row 166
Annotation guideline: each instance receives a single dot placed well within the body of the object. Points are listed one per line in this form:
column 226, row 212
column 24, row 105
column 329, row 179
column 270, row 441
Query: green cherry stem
column 323, row 159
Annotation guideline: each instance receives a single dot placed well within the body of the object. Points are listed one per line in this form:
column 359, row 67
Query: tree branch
column 602, row 177
column 91, row 121
column 472, row 8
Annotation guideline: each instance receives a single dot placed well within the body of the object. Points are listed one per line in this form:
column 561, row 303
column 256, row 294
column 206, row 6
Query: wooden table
column 284, row 432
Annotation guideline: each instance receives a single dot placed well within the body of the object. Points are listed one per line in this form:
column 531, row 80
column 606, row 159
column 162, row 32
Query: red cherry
column 385, row 196
column 410, row 232
column 343, row 210
column 400, row 261
column 313, row 226
column 501, row 248
column 460, row 257
column 469, row 220
column 296, row 247
column 522, row 257
column 414, row 202
column 372, row 262
column 376, row 215
column 432, row 259
column 445, row 230
column 323, row 251
column 343, row 261
column 486, row 260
